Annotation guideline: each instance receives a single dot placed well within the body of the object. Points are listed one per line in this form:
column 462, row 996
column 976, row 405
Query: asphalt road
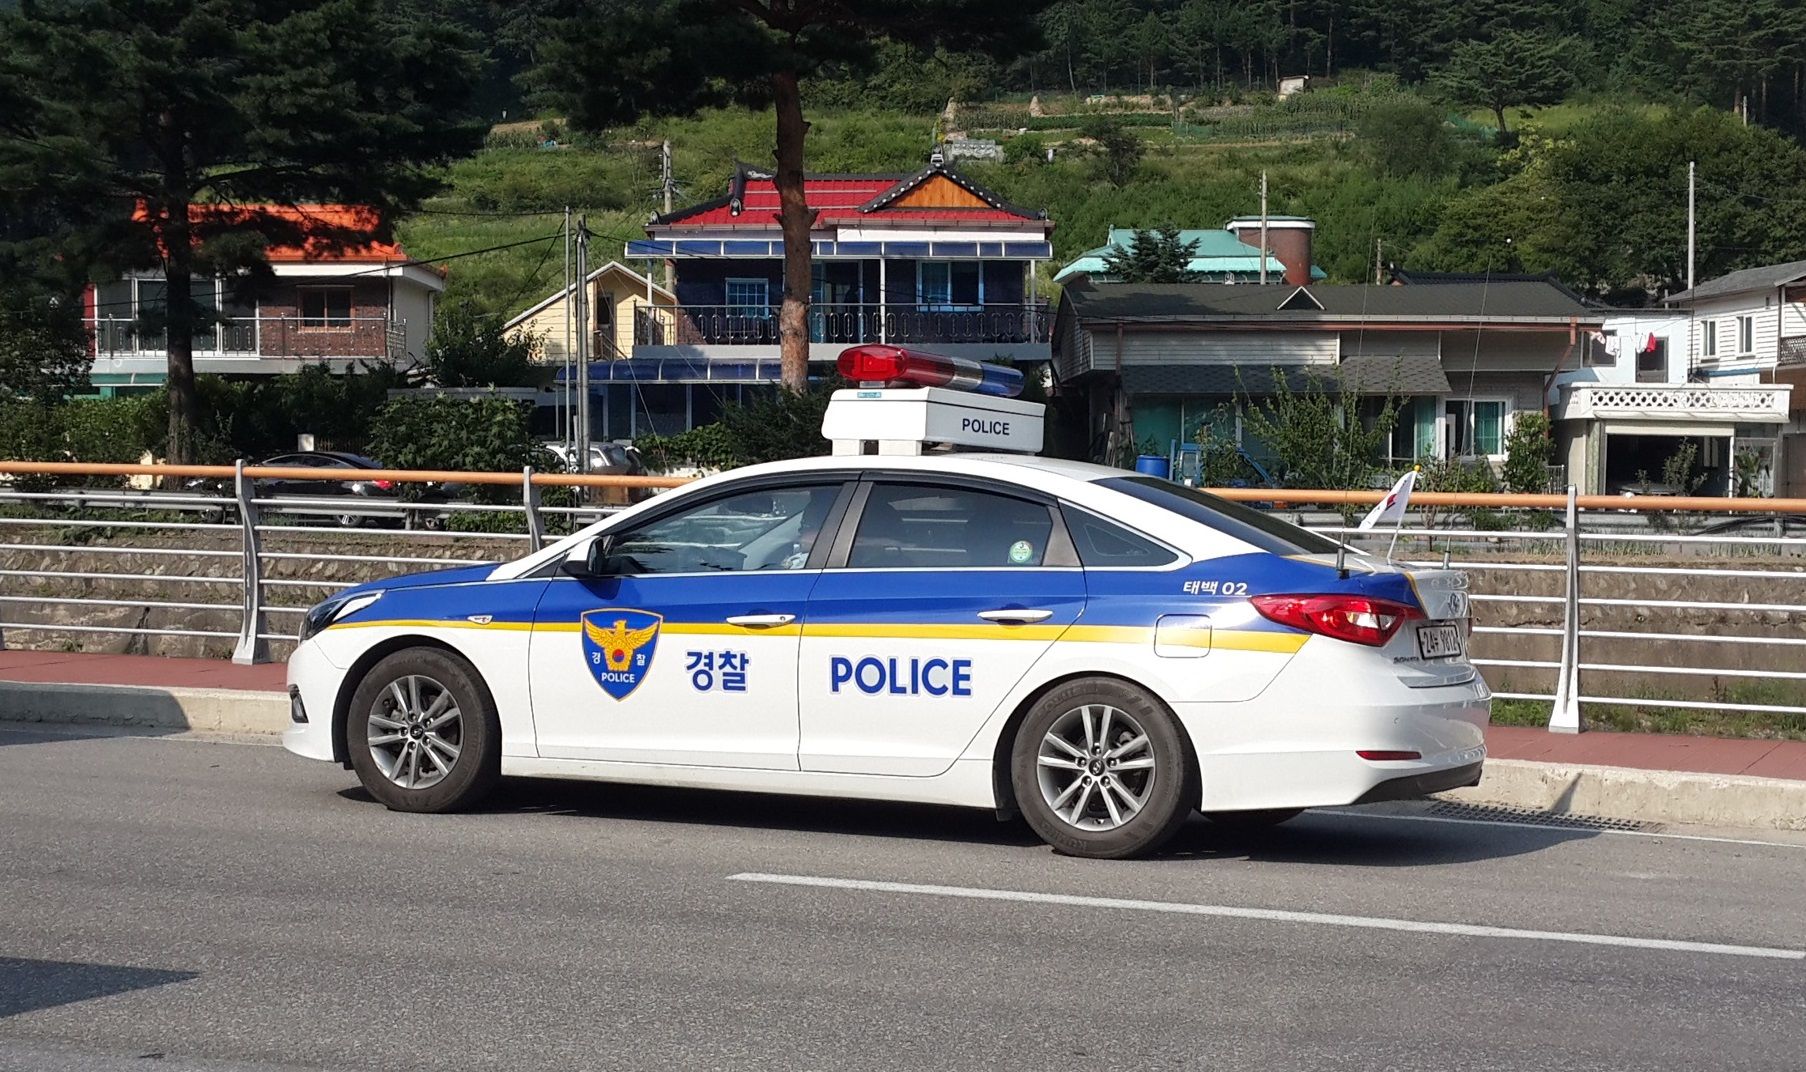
column 185, row 905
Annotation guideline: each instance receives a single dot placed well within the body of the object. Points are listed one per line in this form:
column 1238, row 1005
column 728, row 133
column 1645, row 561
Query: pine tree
column 1511, row 68
column 122, row 115
column 1154, row 256
column 615, row 61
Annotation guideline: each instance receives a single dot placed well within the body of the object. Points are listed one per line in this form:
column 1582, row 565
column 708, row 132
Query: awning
column 676, row 370
column 1393, row 374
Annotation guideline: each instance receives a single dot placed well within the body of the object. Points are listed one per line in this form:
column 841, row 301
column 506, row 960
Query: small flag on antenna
column 1392, row 507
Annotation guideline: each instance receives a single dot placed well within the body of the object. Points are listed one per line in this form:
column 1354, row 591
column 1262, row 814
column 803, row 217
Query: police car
column 1100, row 651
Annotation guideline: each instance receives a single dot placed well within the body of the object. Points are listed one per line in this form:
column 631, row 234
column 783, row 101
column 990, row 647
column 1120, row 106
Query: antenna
column 665, row 186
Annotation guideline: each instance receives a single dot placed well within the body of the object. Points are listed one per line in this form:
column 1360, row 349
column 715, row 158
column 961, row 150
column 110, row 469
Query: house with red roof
column 339, row 296
column 928, row 259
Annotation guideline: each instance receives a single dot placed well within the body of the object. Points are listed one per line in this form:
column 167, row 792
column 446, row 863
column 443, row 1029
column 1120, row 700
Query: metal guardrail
column 253, row 517
column 1580, row 546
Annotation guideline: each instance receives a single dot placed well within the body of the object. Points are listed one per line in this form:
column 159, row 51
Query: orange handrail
column 282, row 472
column 1310, row 496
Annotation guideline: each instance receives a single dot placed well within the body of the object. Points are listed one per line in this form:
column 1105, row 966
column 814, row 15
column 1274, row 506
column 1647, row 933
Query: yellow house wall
column 623, row 292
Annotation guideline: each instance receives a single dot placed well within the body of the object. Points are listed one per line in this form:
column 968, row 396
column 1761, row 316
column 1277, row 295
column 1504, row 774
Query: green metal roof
column 1218, row 253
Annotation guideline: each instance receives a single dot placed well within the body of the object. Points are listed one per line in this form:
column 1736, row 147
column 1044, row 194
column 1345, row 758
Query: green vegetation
column 1528, row 450
column 165, row 106
column 469, row 349
column 1153, row 256
column 1697, row 721
column 481, row 435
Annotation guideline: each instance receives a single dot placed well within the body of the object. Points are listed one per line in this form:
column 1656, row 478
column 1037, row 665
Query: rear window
column 1102, row 544
column 1253, row 527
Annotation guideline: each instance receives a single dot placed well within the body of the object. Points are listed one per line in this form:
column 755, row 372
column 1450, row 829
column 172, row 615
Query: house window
column 1746, row 334
column 1600, row 349
column 325, row 307
column 749, row 297
column 1652, row 361
column 1476, row 427
column 949, row 284
column 1708, row 339
column 1413, row 431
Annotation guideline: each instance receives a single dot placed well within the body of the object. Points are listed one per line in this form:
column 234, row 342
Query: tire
column 454, row 765
column 1256, row 819
column 1126, row 808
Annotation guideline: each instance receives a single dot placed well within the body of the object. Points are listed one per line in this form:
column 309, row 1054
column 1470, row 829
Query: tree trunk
column 797, row 221
column 1498, row 111
column 178, row 272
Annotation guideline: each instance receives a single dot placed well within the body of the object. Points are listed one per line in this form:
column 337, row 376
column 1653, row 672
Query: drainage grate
column 1532, row 817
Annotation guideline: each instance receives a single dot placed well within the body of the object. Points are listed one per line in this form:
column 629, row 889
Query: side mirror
column 593, row 560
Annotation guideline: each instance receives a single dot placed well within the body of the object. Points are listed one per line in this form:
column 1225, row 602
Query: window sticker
column 1022, row 553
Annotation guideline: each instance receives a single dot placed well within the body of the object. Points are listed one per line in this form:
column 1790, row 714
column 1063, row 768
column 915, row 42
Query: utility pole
column 1263, row 227
column 1690, row 222
column 1379, row 270
column 582, row 303
column 665, row 185
column 568, row 420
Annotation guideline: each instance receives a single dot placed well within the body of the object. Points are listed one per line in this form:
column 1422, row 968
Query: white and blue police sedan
column 1101, row 652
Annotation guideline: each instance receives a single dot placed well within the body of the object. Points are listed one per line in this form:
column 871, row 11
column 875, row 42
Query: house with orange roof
column 339, row 296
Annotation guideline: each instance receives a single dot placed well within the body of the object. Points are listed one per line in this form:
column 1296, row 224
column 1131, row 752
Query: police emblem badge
column 617, row 647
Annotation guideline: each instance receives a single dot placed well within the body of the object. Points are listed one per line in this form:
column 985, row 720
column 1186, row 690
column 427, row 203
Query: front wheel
column 1101, row 769
column 423, row 732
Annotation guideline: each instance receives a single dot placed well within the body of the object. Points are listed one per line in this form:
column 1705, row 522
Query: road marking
column 1273, row 915
column 1348, row 814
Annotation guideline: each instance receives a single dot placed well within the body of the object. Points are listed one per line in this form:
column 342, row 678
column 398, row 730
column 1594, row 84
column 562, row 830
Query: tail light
column 385, row 485
column 1357, row 619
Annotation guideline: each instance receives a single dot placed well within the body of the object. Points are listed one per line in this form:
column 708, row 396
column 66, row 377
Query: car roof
column 1078, row 483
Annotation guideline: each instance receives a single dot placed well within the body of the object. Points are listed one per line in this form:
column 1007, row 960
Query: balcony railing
column 1676, row 401
column 261, row 336
column 726, row 325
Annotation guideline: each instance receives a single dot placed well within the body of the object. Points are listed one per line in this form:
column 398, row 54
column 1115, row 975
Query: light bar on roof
column 877, row 364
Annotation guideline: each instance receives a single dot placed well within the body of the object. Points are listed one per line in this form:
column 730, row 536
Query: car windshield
column 1253, row 527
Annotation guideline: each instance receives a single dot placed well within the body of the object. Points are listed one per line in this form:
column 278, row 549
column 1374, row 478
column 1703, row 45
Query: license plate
column 1438, row 641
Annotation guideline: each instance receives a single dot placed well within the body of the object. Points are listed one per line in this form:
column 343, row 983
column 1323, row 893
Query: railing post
column 529, row 493
column 251, row 646
column 1564, row 716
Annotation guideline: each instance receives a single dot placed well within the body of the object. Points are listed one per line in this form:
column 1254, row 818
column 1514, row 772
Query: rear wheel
column 1101, row 769
column 422, row 732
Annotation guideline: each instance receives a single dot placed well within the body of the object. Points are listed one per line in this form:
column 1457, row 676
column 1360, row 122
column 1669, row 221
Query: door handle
column 761, row 621
column 1015, row 615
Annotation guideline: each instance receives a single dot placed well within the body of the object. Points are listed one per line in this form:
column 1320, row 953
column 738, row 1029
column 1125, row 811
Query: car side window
column 918, row 525
column 770, row 529
column 1103, row 544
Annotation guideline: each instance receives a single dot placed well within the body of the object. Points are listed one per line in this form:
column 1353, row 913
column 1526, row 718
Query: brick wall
column 281, row 333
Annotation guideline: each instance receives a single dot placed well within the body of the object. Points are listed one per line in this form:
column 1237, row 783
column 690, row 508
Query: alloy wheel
column 416, row 732
column 1096, row 767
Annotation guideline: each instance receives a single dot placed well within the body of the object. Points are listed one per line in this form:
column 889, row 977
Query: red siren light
column 881, row 364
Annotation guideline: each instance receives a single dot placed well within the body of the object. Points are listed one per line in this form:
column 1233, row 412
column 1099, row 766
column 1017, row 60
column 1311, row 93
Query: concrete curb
column 1646, row 795
column 1653, row 796
column 223, row 711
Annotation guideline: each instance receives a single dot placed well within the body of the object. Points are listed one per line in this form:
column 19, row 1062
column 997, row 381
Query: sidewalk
column 147, row 671
column 1644, row 776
